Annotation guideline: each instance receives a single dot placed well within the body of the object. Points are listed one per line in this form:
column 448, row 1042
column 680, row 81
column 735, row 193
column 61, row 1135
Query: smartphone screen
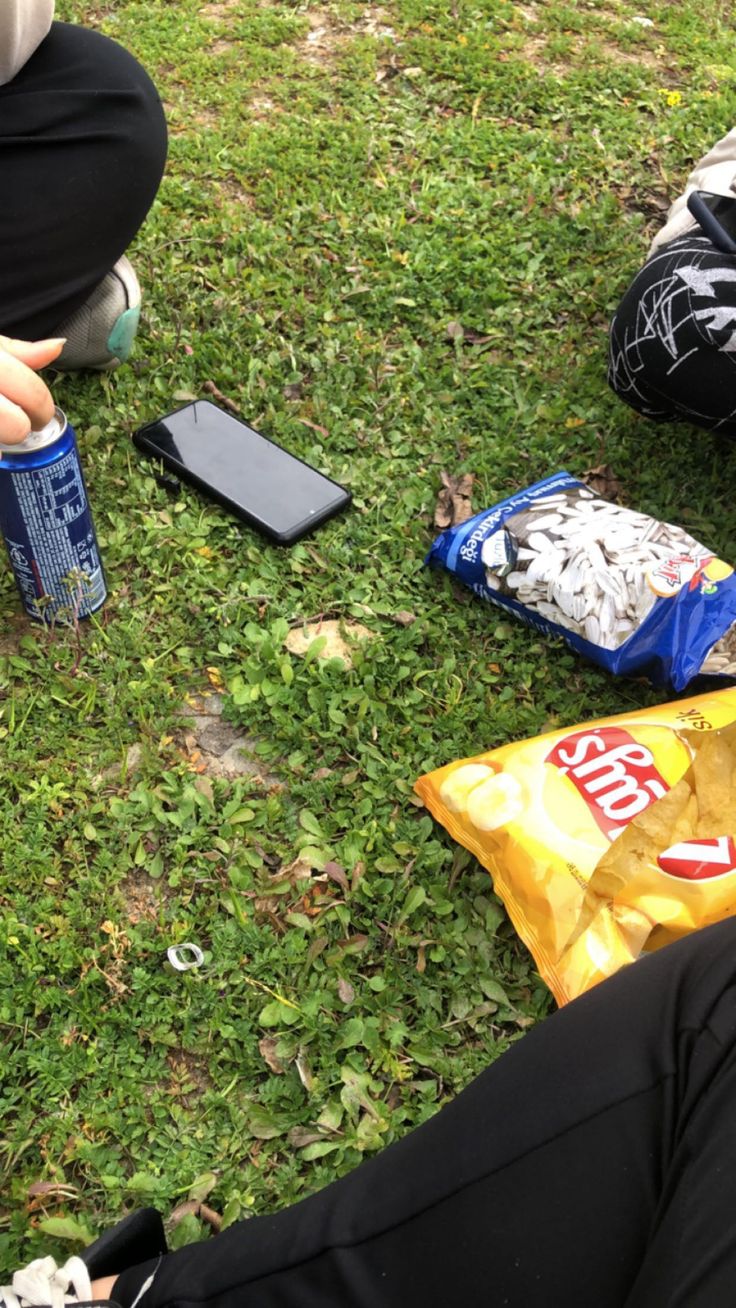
column 723, row 208
column 259, row 481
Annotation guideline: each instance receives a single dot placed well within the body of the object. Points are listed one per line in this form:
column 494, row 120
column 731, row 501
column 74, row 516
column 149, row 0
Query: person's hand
column 26, row 403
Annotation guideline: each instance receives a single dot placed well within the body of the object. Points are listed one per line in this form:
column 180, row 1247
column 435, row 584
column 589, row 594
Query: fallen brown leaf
column 456, row 332
column 337, row 873
column 358, row 870
column 267, row 1047
column 202, row 1211
column 315, row 427
column 305, row 1074
column 204, row 786
column 298, row 870
column 301, row 1136
column 345, row 991
column 603, row 481
column 404, row 617
column 454, row 500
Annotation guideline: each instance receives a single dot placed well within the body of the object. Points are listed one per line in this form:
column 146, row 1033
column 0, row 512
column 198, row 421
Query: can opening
column 38, row 440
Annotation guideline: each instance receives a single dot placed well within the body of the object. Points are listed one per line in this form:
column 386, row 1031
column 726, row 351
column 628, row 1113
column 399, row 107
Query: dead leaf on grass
column 202, row 1211
column 337, row 873
column 335, row 645
column 604, row 481
column 304, row 1070
column 267, row 1047
column 454, row 500
column 455, row 331
column 41, row 1194
column 301, row 1136
column 404, row 618
column 345, row 991
column 298, row 870
column 204, row 786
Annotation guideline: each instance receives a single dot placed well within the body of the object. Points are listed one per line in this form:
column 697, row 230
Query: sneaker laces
column 44, row 1285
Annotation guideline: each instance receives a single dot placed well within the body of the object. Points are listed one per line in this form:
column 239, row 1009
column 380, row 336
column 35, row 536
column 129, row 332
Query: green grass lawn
column 347, row 184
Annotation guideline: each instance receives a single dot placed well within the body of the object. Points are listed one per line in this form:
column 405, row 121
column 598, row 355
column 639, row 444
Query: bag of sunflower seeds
column 638, row 596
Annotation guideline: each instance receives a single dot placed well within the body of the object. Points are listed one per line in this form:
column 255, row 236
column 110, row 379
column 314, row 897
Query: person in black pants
column 594, row 1163
column 82, row 152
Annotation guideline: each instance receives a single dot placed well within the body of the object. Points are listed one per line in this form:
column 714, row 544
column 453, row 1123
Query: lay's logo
column 614, row 774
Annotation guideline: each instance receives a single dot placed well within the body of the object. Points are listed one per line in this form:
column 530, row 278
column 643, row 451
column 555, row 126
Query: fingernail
column 55, row 340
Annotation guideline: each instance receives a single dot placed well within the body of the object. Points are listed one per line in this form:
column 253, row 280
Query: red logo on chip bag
column 614, row 773
column 698, row 860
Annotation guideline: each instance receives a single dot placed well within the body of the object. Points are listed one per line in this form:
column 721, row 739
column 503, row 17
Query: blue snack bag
column 637, row 596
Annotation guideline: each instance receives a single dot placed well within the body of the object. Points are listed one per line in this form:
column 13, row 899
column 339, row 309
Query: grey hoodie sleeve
column 23, row 25
column 716, row 171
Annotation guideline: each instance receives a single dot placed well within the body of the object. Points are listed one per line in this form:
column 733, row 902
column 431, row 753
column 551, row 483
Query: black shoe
column 42, row 1284
column 135, row 1239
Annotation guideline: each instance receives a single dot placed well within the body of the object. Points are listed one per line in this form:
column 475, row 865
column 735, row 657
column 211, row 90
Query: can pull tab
column 177, row 956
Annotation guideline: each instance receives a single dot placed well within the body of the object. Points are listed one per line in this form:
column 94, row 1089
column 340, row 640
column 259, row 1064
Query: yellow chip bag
column 606, row 839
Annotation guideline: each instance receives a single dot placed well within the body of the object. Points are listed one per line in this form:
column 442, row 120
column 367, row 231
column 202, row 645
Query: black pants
column 82, row 150
column 672, row 345
column 592, row 1166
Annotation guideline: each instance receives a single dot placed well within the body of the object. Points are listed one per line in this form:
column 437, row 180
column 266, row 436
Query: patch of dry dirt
column 189, row 1077
column 327, row 36
column 221, row 9
column 141, row 897
column 262, row 107
column 534, row 50
column 218, row 749
column 231, row 191
column 639, row 55
column 14, row 627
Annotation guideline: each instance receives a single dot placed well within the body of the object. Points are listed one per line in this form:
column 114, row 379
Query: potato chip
column 603, row 839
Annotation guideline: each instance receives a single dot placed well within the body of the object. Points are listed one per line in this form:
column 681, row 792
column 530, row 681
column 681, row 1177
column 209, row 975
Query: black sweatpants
column 592, row 1166
column 82, row 150
column 672, row 344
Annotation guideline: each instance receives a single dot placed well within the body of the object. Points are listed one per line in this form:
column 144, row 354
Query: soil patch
column 141, row 897
column 189, row 1077
column 218, row 749
column 14, row 627
column 328, row 36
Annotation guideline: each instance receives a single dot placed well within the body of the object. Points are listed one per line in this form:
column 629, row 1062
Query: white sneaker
column 100, row 334
column 42, row 1283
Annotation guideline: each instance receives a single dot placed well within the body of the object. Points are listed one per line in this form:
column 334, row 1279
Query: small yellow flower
column 462, row 40
column 671, row 97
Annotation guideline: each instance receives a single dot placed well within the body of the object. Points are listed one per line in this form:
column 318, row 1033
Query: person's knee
column 672, row 343
column 89, row 83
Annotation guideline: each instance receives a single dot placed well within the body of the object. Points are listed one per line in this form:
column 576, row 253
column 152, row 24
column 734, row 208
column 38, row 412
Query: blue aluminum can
column 47, row 525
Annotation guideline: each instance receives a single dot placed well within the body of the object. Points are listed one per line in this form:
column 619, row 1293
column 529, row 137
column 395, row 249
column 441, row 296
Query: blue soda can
column 47, row 524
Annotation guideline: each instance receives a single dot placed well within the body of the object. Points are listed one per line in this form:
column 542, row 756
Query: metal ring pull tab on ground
column 177, row 956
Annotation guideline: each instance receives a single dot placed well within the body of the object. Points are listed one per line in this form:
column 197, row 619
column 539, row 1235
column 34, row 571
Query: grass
column 346, row 185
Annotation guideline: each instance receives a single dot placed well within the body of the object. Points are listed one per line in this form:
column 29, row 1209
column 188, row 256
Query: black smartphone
column 260, row 482
column 716, row 214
